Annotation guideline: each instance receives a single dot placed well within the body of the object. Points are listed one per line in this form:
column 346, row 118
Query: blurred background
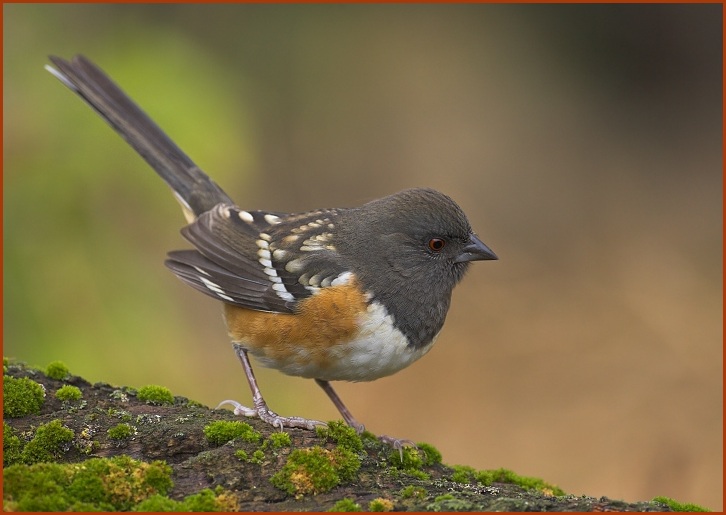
column 584, row 143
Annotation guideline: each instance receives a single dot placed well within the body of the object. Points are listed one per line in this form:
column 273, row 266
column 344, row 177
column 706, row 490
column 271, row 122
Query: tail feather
column 192, row 187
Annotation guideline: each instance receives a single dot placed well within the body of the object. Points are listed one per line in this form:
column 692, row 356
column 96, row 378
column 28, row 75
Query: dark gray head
column 410, row 249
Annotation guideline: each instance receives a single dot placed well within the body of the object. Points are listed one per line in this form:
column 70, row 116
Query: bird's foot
column 267, row 415
column 397, row 443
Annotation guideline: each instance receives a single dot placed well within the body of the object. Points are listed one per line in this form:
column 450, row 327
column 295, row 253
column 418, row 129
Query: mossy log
column 153, row 451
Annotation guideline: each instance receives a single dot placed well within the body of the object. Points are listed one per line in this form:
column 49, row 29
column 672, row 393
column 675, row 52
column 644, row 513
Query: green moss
column 677, row 506
column 342, row 434
column 346, row 505
column 316, row 470
column 205, row 501
column 211, row 500
column 413, row 492
column 40, row 487
column 47, row 444
column 406, row 458
column 153, row 394
column 418, row 474
column 113, row 484
column 12, row 446
column 21, row 396
column 57, row 370
column 121, row 431
column 380, row 504
column 449, row 503
column 68, row 393
column 414, row 458
column 409, row 460
column 432, row 456
column 463, row 474
column 369, row 437
column 258, row 457
column 487, row 477
column 223, row 431
column 278, row 440
column 158, row 503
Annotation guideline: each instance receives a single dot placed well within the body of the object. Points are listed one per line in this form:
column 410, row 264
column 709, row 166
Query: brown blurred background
column 584, row 142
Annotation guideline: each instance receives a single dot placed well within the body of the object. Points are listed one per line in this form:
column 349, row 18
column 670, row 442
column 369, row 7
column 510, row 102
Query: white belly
column 377, row 351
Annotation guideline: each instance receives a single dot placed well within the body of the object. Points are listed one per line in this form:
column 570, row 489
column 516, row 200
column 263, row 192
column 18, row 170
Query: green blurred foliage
column 583, row 141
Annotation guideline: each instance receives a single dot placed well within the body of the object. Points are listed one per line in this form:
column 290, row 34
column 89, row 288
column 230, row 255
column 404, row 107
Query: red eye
column 436, row 244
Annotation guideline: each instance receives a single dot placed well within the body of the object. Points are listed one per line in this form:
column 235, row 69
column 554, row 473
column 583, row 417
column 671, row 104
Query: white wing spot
column 215, row 288
column 294, row 266
column 305, row 227
column 282, row 292
column 265, row 236
column 342, row 279
column 264, row 254
column 272, row 219
column 202, row 271
column 246, row 216
column 279, row 254
column 314, row 280
column 318, row 242
column 262, row 244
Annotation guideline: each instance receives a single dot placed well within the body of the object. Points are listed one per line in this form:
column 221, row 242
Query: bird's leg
column 261, row 410
column 396, row 443
column 347, row 415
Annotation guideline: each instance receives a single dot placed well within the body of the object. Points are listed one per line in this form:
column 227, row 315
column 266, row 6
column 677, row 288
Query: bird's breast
column 336, row 334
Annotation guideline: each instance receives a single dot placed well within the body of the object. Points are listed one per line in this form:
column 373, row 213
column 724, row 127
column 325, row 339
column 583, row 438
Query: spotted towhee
column 348, row 294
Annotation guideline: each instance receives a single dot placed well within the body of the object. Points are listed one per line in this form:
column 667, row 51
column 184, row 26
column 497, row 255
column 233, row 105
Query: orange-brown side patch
column 321, row 321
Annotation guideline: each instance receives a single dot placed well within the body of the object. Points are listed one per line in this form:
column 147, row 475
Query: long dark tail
column 194, row 189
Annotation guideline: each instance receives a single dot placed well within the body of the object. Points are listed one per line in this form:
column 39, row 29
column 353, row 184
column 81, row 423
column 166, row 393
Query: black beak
column 475, row 250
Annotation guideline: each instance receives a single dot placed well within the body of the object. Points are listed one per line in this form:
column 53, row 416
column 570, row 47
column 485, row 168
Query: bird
column 339, row 294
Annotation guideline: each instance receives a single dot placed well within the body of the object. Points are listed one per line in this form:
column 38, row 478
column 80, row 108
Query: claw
column 397, row 443
column 239, row 409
